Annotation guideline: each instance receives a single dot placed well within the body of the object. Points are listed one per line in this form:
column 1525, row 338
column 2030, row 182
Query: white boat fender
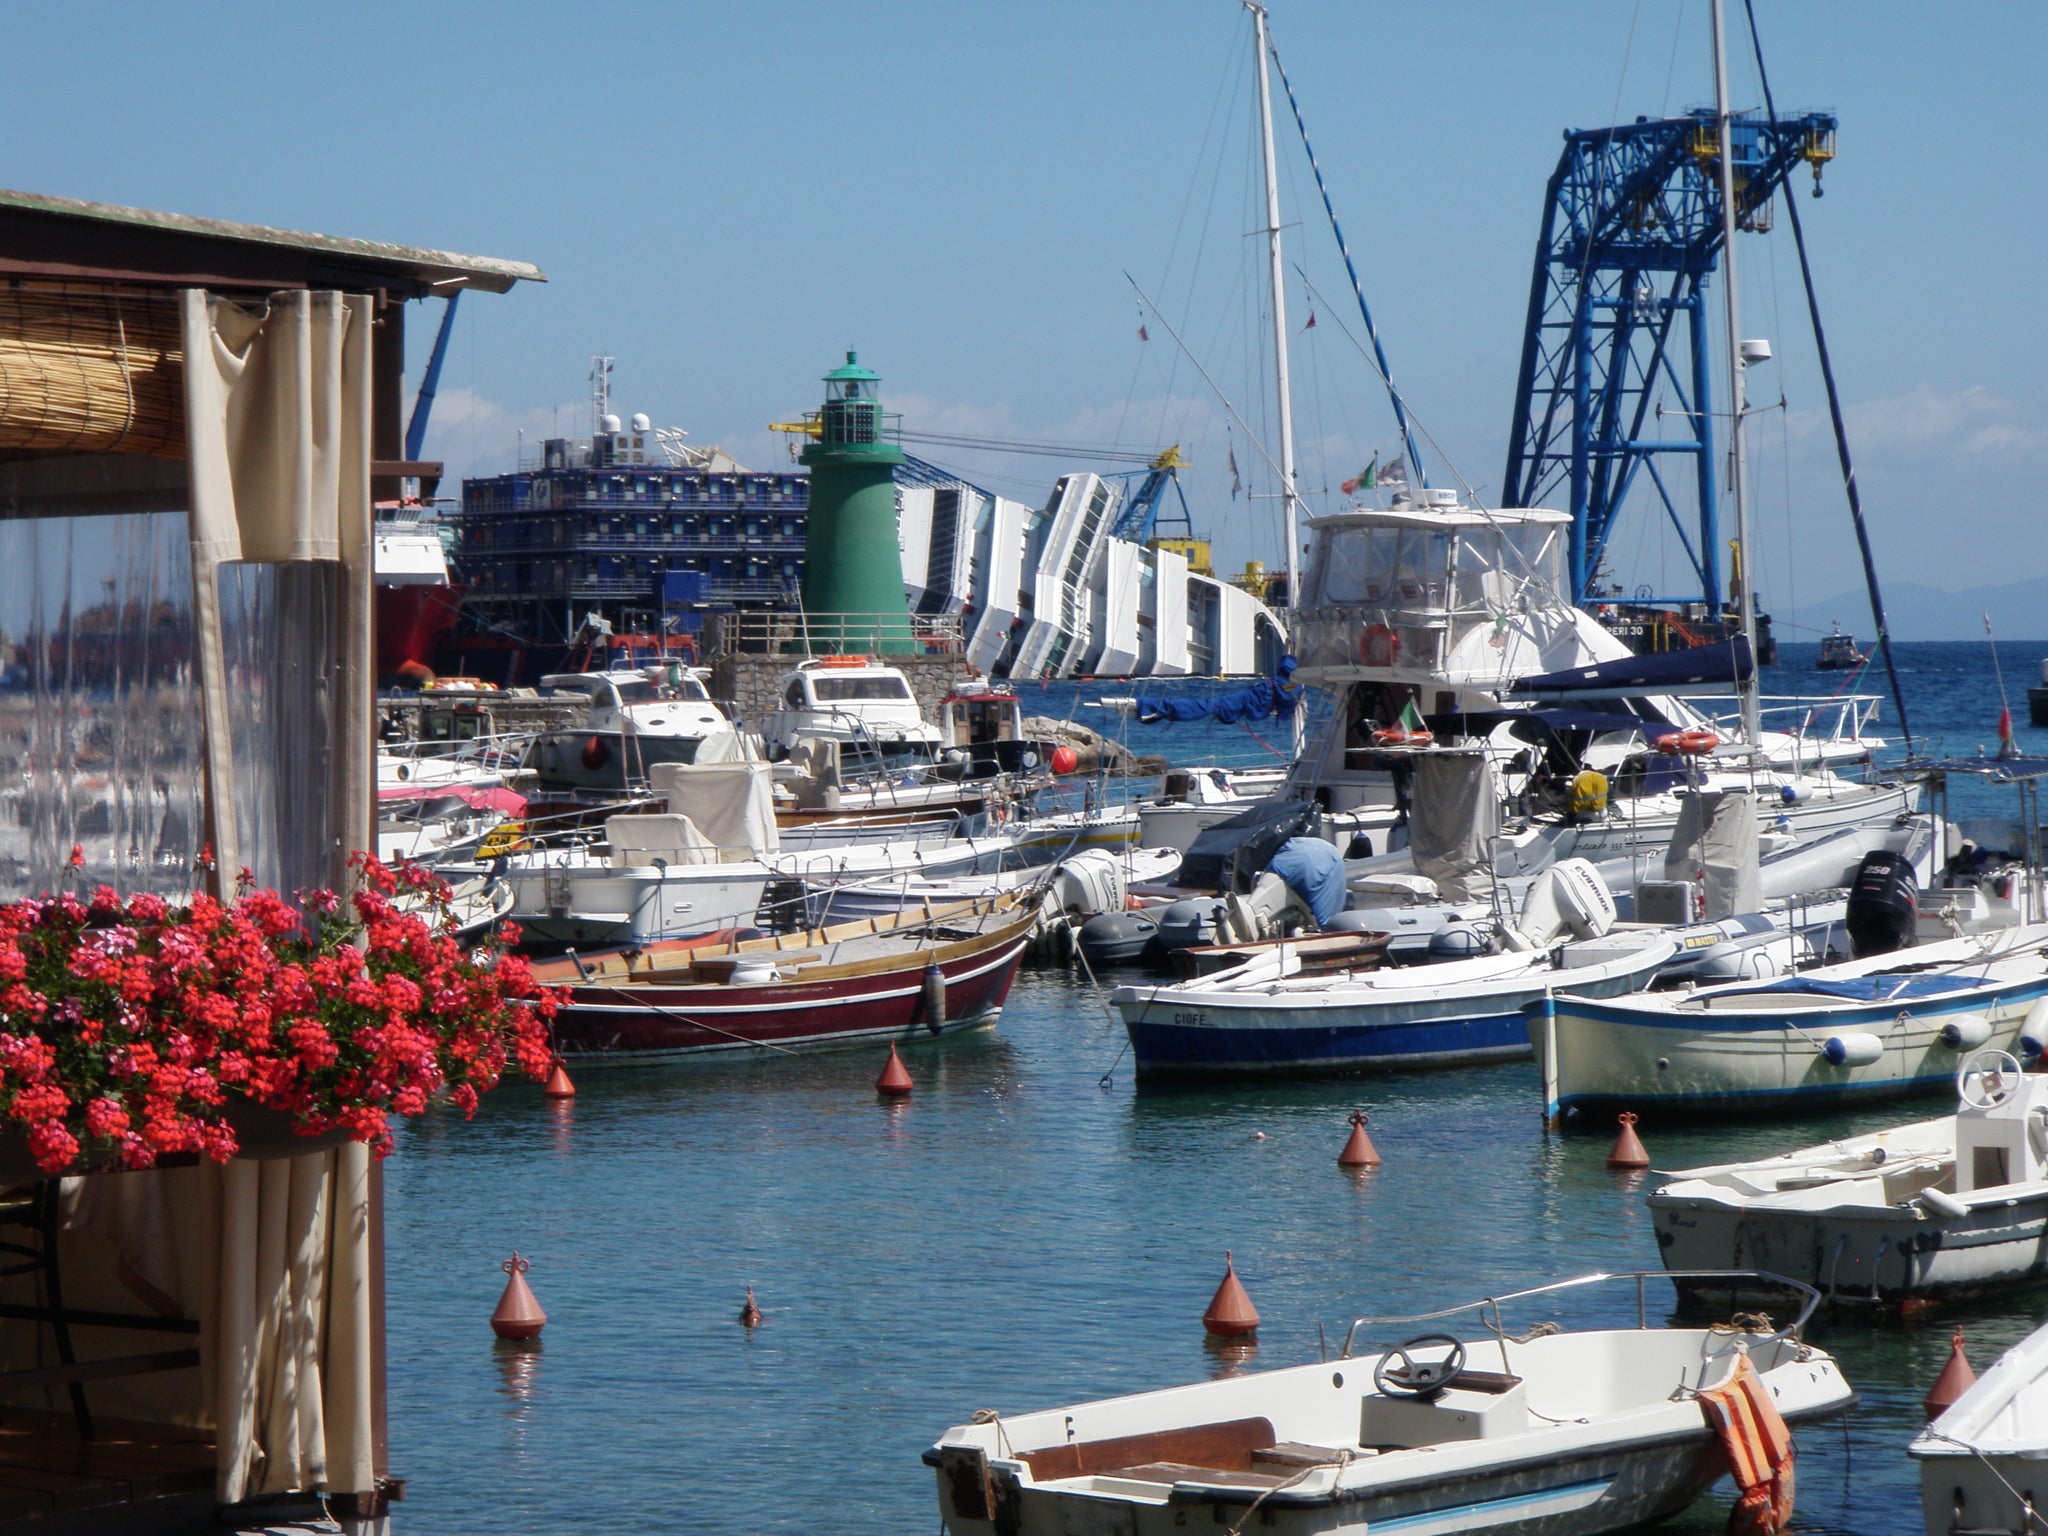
column 1966, row 1033
column 1942, row 1202
column 2034, row 1032
column 934, row 999
column 1796, row 792
column 1852, row 1048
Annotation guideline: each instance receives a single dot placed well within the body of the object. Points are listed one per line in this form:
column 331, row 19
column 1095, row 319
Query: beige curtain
column 277, row 406
column 277, row 409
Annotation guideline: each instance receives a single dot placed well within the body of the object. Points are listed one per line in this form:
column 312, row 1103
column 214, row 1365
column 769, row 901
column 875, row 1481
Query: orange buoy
column 750, row 1314
column 519, row 1314
column 1628, row 1147
column 559, row 1086
column 1955, row 1379
column 1231, row 1314
column 1359, row 1151
column 1065, row 760
column 894, row 1083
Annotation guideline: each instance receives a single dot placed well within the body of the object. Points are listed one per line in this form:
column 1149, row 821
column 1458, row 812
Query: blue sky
column 726, row 197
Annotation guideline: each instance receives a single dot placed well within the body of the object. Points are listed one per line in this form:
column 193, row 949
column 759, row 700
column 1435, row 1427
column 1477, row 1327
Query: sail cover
column 1268, row 696
column 1704, row 669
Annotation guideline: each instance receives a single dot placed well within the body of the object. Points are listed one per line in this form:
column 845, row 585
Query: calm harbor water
column 1015, row 1236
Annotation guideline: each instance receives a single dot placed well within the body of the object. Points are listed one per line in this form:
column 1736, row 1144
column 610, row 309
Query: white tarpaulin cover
column 732, row 804
column 1453, row 823
column 1716, row 843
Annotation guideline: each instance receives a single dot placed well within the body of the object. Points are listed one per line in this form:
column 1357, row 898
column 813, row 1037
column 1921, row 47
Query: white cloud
column 472, row 434
column 1930, row 426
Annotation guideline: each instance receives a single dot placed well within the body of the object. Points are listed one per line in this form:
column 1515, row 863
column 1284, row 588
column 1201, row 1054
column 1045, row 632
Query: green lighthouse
column 853, row 570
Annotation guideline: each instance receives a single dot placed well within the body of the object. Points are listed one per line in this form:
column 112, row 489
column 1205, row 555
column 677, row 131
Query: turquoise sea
column 1018, row 1235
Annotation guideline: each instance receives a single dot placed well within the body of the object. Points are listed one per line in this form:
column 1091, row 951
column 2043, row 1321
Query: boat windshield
column 844, row 690
column 635, row 690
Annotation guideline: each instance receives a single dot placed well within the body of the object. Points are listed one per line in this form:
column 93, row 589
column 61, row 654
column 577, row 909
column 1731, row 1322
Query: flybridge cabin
column 1433, row 592
column 864, row 706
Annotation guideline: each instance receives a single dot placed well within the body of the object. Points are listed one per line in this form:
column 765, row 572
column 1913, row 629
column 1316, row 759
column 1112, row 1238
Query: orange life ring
column 1396, row 736
column 1687, row 743
column 1379, row 646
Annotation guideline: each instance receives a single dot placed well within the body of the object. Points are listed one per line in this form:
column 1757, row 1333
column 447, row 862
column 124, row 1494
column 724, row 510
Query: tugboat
column 1838, row 652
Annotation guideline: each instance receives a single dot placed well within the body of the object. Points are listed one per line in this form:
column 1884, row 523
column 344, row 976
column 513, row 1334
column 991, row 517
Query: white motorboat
column 1881, row 1027
column 863, row 705
column 1899, row 1218
column 1553, row 1433
column 1984, row 1462
column 634, row 721
column 705, row 863
column 1268, row 1015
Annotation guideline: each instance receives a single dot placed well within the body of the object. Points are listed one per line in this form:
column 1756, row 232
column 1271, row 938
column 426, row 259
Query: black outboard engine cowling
column 1883, row 904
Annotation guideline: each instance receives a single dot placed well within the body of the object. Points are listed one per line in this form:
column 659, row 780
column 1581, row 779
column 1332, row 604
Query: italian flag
column 1411, row 718
column 1363, row 480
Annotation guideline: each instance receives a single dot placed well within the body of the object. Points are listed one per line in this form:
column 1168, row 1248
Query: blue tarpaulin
column 1268, row 696
column 1870, row 989
column 1314, row 871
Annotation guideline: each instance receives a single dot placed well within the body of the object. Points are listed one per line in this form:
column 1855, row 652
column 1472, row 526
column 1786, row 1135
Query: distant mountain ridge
column 2019, row 612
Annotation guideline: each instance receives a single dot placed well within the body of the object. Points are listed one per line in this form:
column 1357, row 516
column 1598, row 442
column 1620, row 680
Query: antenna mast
column 1752, row 722
column 1276, row 271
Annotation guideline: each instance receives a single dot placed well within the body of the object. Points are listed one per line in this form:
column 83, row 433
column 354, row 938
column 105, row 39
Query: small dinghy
column 1984, row 1463
column 1885, row 1026
column 1557, row 1433
column 1900, row 1218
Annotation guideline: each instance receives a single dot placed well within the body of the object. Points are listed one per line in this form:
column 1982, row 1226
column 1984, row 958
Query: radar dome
column 642, row 422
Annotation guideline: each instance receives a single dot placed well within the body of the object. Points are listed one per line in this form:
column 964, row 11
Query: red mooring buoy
column 1231, row 1314
column 750, row 1315
column 559, row 1086
column 519, row 1314
column 894, row 1083
column 1359, row 1152
column 1628, row 1147
column 1955, row 1379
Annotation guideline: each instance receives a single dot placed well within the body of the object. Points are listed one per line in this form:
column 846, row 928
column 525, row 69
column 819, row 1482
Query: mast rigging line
column 1827, row 373
column 1021, row 445
column 1344, row 249
column 1222, row 399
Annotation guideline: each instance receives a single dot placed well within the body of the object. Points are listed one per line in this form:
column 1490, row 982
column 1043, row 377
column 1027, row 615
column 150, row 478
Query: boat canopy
column 1704, row 669
column 1880, row 988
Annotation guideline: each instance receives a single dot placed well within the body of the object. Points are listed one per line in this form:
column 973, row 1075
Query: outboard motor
column 1883, row 904
column 1119, row 938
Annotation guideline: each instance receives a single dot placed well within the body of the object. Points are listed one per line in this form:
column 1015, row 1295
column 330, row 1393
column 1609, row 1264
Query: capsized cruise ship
column 1052, row 593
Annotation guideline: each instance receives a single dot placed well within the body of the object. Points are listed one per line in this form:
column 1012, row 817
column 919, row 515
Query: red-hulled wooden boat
column 852, row 981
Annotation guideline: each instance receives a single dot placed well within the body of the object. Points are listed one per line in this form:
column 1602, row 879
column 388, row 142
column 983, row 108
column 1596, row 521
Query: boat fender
column 1943, row 1203
column 595, row 753
column 2034, row 1032
column 1852, row 1048
column 934, row 999
column 1965, row 1034
column 1794, row 794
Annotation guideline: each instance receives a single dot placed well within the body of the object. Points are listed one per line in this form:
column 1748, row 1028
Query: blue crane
column 1140, row 513
column 1611, row 381
column 423, row 403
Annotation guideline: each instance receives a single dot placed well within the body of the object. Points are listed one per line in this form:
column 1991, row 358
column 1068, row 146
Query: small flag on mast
column 1236, row 483
column 1394, row 471
column 1364, row 480
column 1142, row 335
column 1311, row 321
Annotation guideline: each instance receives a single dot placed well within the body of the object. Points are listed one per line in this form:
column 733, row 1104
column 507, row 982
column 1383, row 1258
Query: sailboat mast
column 1276, row 273
column 1752, row 724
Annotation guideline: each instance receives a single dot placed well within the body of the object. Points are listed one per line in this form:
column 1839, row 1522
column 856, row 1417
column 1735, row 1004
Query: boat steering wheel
column 1988, row 1079
column 1400, row 1374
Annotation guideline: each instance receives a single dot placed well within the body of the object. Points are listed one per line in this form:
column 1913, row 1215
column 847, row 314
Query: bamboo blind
column 90, row 369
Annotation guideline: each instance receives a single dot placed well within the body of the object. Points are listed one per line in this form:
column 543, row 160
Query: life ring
column 1397, row 736
column 1687, row 743
column 1379, row 646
